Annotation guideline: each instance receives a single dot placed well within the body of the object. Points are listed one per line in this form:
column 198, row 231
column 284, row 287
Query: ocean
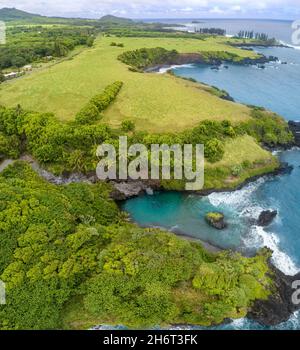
column 280, row 29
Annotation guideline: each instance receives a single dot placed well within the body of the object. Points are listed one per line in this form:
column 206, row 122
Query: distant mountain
column 15, row 15
column 115, row 19
column 12, row 14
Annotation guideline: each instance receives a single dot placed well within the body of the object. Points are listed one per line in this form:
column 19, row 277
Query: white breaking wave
column 260, row 238
column 292, row 323
column 164, row 70
column 289, row 45
column 243, row 201
column 240, row 200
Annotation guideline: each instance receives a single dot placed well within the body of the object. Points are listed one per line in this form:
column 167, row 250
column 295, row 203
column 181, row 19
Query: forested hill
column 115, row 19
column 15, row 15
column 12, row 14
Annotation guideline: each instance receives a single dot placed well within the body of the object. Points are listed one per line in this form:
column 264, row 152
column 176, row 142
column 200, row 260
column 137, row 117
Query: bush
column 91, row 111
column 214, row 150
column 103, row 100
column 236, row 170
column 268, row 128
column 127, row 125
column 88, row 114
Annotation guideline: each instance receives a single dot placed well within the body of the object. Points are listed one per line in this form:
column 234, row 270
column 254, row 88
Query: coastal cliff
column 279, row 306
column 295, row 129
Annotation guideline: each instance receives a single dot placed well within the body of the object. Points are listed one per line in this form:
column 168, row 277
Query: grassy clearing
column 155, row 102
column 241, row 149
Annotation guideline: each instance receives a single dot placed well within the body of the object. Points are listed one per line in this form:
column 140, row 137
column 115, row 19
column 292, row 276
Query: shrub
column 91, row 111
column 214, row 150
column 268, row 128
column 88, row 114
column 236, row 170
column 127, row 125
column 103, row 100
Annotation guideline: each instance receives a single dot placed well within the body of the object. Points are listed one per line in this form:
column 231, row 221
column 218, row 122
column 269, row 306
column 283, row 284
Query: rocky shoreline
column 124, row 190
column 279, row 307
column 198, row 58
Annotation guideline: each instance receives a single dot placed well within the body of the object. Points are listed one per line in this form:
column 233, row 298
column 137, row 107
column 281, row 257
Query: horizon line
column 153, row 18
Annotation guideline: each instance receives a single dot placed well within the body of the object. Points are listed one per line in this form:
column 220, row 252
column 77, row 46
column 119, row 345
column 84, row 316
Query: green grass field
column 155, row 102
column 240, row 149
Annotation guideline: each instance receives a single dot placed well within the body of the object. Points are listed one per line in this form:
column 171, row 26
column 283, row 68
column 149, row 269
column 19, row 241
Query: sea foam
column 244, row 203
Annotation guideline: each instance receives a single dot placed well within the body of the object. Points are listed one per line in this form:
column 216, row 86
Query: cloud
column 160, row 9
column 216, row 10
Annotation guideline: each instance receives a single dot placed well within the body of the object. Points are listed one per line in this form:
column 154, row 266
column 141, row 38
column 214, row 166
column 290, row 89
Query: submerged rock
column 266, row 217
column 216, row 220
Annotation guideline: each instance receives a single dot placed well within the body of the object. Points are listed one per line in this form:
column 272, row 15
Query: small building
column 11, row 75
column 27, row 68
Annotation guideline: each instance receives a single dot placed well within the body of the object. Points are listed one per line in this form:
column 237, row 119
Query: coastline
column 275, row 310
column 197, row 58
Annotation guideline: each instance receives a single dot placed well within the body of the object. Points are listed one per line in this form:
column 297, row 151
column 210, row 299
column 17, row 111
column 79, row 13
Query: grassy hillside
column 153, row 101
column 12, row 14
column 18, row 17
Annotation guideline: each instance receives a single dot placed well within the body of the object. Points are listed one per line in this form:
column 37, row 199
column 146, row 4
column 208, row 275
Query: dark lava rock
column 123, row 190
column 227, row 97
column 284, row 169
column 266, row 217
column 279, row 306
column 216, row 220
column 294, row 126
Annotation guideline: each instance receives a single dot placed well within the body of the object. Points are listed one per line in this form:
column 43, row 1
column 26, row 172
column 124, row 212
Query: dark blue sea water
column 279, row 29
column 278, row 88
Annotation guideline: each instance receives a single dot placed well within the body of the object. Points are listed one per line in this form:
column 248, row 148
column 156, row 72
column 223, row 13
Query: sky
column 273, row 9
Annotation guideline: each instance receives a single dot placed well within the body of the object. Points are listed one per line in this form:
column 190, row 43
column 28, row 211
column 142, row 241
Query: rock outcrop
column 266, row 217
column 216, row 220
column 281, row 304
column 295, row 129
column 127, row 189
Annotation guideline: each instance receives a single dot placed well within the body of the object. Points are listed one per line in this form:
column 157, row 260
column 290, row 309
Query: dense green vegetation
column 69, row 147
column 214, row 31
column 145, row 32
column 26, row 44
column 91, row 111
column 66, row 246
column 268, row 128
column 68, row 255
column 143, row 58
column 50, row 238
column 263, row 37
column 210, row 56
